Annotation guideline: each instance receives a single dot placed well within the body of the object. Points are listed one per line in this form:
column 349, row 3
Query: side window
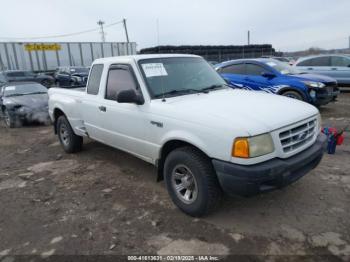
column 255, row 70
column 15, row 74
column 119, row 78
column 94, row 79
column 340, row 61
column 307, row 62
column 318, row 61
column 237, row 69
column 322, row 61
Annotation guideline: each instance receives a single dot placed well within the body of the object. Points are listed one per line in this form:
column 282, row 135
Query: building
column 46, row 56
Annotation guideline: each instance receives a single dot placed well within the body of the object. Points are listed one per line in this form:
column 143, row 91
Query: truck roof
column 139, row 57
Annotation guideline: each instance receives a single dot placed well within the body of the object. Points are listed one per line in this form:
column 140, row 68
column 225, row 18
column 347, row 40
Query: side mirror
column 129, row 96
column 268, row 75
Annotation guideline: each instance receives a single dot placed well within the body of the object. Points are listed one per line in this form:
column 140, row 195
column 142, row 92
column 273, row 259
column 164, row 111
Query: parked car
column 285, row 59
column 23, row 102
column 71, row 76
column 25, row 76
column 336, row 66
column 276, row 77
column 177, row 113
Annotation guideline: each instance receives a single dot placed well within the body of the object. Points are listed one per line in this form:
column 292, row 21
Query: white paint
column 48, row 253
column 193, row 247
column 5, row 252
column 56, row 240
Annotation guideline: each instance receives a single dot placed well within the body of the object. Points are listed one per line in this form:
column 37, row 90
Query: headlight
column 314, row 84
column 248, row 147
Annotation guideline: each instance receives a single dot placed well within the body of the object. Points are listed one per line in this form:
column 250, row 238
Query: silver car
column 336, row 66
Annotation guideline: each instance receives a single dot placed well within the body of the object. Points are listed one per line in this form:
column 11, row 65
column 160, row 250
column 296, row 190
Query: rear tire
column 70, row 142
column 293, row 94
column 191, row 181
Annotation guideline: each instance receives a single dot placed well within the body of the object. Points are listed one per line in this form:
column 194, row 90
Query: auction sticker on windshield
column 10, row 88
column 154, row 69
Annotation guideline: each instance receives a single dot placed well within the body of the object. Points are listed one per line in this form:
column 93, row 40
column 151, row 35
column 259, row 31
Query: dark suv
column 25, row 76
column 71, row 76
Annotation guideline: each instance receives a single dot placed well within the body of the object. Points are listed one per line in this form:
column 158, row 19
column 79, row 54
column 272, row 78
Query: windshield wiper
column 35, row 93
column 180, row 92
column 213, row 87
column 15, row 95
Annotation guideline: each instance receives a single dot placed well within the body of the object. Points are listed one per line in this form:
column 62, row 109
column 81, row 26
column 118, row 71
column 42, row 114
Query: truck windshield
column 174, row 76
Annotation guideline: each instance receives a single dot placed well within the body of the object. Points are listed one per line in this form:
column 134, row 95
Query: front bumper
column 34, row 116
column 325, row 95
column 273, row 174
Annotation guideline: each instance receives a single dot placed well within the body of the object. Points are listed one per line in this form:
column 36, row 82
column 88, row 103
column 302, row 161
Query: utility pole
column 126, row 30
column 248, row 37
column 102, row 32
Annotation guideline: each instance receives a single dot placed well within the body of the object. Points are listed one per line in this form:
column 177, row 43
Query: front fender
column 187, row 137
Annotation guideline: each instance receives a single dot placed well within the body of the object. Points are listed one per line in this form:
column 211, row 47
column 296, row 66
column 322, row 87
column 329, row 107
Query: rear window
column 94, row 79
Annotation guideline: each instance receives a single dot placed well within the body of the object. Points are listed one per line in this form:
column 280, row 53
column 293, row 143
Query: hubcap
column 184, row 184
column 64, row 134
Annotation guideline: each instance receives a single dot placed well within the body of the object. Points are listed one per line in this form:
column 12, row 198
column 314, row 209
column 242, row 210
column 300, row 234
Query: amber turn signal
column 240, row 148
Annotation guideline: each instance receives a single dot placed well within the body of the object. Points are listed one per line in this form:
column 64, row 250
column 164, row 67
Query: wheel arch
column 169, row 146
column 295, row 89
column 57, row 112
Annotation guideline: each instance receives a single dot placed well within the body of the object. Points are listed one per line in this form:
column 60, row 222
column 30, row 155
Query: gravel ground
column 105, row 202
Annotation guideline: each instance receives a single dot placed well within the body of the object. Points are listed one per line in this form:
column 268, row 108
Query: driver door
column 124, row 124
column 254, row 78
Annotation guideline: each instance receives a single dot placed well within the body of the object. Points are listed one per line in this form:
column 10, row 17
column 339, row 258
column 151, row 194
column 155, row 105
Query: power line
column 62, row 35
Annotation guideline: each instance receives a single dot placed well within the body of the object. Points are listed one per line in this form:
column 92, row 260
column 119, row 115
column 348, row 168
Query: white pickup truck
column 204, row 137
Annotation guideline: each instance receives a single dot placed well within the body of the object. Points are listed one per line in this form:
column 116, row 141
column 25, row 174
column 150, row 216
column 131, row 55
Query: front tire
column 10, row 120
column 191, row 181
column 293, row 94
column 70, row 142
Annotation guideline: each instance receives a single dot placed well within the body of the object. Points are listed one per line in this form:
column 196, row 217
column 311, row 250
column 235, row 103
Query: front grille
column 298, row 136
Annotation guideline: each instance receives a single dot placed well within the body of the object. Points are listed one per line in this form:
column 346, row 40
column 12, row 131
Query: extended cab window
column 119, row 78
column 237, row 69
column 94, row 79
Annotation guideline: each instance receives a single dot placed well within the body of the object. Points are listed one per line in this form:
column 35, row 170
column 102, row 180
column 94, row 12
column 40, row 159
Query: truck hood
column 234, row 109
column 312, row 77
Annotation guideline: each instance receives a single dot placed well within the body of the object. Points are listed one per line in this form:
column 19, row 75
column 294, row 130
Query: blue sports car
column 273, row 76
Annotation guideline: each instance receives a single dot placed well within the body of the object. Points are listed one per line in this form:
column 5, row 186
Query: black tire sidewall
column 293, row 94
column 12, row 119
column 75, row 141
column 200, row 204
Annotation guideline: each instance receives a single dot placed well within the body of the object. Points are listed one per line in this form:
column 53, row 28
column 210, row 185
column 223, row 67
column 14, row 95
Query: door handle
column 102, row 108
column 310, row 68
column 334, row 68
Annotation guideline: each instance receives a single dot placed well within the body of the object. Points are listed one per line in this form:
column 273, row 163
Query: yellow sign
column 42, row 47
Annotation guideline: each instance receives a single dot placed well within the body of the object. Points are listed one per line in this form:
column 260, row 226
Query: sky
column 289, row 25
